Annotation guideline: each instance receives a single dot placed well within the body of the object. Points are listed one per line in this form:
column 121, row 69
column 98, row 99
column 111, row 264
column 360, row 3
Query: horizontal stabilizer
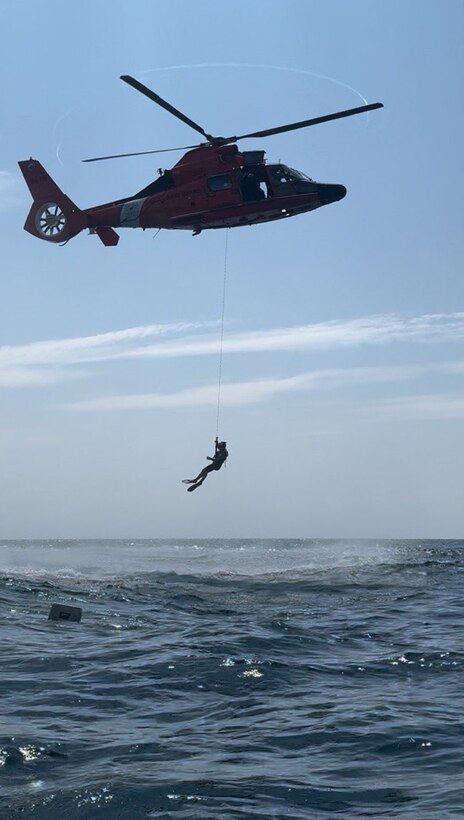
column 107, row 236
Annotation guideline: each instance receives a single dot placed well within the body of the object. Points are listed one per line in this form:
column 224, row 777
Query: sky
column 342, row 392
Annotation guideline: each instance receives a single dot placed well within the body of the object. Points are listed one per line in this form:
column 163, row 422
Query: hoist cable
column 221, row 344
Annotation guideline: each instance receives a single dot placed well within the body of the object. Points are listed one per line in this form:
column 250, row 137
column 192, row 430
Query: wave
column 119, row 559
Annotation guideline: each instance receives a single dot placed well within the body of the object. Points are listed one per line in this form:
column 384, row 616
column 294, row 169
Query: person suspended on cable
column 220, row 455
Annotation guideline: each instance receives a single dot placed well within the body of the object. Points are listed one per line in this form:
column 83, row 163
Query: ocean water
column 232, row 679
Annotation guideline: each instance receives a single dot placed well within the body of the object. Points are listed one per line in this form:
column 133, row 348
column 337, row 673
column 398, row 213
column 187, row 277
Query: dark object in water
column 62, row 612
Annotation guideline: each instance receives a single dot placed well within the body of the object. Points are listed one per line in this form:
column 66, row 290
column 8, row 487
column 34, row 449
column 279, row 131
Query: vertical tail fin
column 53, row 216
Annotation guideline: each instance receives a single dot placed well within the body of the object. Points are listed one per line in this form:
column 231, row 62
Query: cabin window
column 219, row 183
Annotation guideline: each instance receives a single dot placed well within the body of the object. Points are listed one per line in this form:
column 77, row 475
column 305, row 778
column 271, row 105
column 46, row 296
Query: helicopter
column 213, row 185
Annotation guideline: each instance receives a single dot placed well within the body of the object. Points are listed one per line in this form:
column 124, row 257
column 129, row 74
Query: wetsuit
column 220, row 455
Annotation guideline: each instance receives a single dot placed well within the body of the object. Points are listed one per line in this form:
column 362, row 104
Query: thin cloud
column 36, row 377
column 100, row 347
column 239, row 393
column 426, row 407
column 260, row 390
column 201, row 339
column 321, row 336
column 55, row 360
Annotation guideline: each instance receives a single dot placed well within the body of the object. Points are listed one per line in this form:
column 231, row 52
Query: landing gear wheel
column 50, row 220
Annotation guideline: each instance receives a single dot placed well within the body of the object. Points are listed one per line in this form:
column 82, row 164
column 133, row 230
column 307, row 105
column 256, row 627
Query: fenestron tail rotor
column 218, row 141
column 50, row 220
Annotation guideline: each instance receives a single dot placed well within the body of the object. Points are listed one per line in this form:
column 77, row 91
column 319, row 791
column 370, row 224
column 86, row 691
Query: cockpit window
column 282, row 174
column 293, row 174
column 278, row 174
column 219, row 183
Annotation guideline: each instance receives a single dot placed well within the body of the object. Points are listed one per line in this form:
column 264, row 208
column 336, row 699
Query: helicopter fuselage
column 213, row 187
column 210, row 187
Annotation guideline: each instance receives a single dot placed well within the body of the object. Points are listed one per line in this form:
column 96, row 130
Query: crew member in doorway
column 251, row 189
column 220, row 455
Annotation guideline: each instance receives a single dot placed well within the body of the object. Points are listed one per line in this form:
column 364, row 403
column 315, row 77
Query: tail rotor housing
column 53, row 216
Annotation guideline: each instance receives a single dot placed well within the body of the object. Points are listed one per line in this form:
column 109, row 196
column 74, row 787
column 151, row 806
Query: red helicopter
column 214, row 185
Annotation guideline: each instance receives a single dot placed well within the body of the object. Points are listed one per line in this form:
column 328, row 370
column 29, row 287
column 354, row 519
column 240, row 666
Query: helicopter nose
column 331, row 193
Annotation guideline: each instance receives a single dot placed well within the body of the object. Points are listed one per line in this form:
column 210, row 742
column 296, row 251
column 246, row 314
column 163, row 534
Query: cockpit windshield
column 287, row 181
column 295, row 175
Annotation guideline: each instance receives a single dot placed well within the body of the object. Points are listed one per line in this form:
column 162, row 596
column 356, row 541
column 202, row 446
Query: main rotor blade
column 141, row 153
column 167, row 106
column 306, row 123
